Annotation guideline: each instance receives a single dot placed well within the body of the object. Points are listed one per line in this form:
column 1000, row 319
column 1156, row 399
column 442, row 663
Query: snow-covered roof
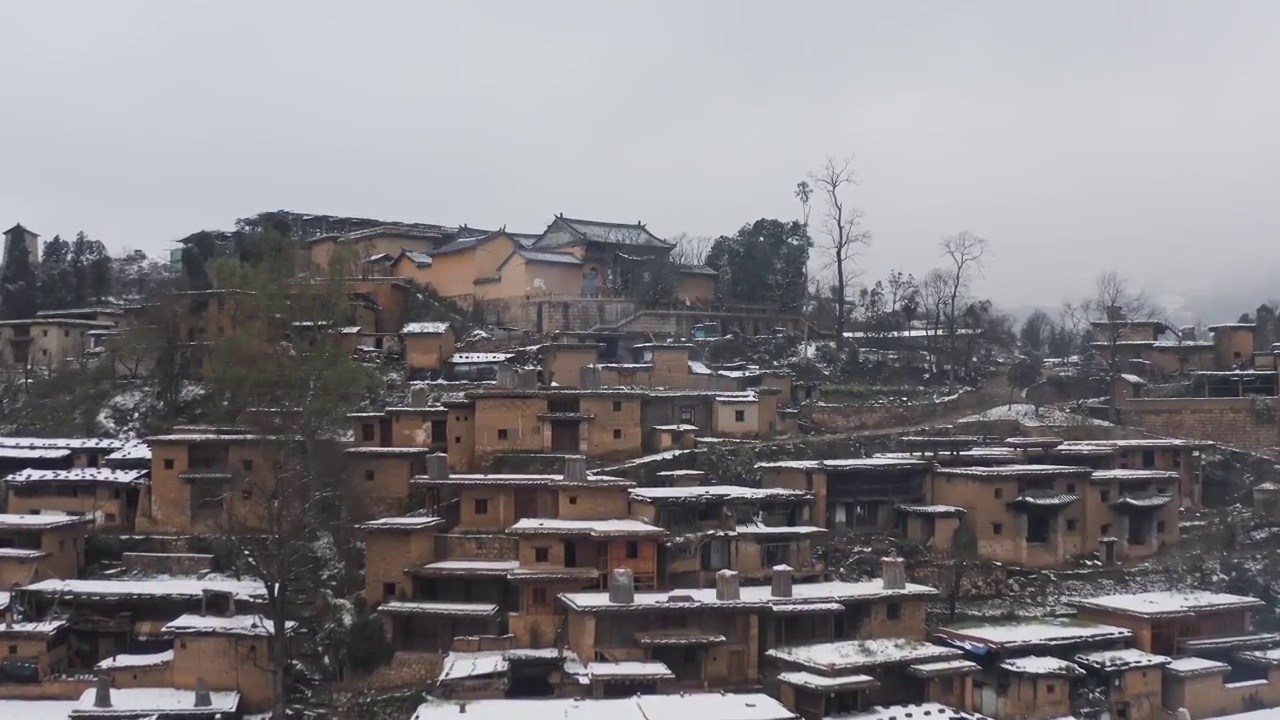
column 410, row 522
column 138, row 702
column 109, row 444
column 12, row 453
column 161, row 587
column 845, row 655
column 679, row 427
column 921, row 711
column 37, row 709
column 708, row 493
column 1015, row 470
column 135, row 661
column 522, row 479
column 1189, row 666
column 1167, row 603
column 1042, row 665
column 944, row 667
column 42, row 628
column 828, row 683
column 1042, row 632
column 245, row 625
column 11, row 522
column 758, row 528
column 1134, row 474
column 868, row 463
column 479, row 358
column 442, row 609
column 469, row 567
column 937, row 510
column 466, row 665
column 1118, row 660
column 136, row 450
column 107, row 475
column 697, row 367
column 750, row 597
column 1267, row 656
column 1030, row 415
column 612, row 233
column 597, row 528
column 703, row 706
column 1271, row 714
column 629, row 670
column 379, row 451
column 12, row 552
column 548, row 257
column 425, row 328
column 1144, row 502
column 688, row 473
column 4, row 599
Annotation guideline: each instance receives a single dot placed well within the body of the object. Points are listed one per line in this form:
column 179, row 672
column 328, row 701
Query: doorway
column 565, row 437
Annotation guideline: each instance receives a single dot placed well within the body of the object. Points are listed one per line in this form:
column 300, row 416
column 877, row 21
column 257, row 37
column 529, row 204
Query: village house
column 715, row 638
column 35, row 547
column 50, row 342
column 508, row 544
column 718, row 527
column 208, row 478
column 33, row 651
column 859, row 494
column 21, row 453
column 126, row 616
column 427, row 346
column 1221, row 665
column 230, row 653
column 1026, row 671
column 387, row 239
column 1021, row 514
column 378, row 478
column 111, row 497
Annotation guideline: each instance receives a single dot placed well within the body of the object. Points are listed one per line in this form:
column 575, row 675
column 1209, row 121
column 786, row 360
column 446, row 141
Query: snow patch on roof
column 1168, row 602
column 135, row 661
column 852, row 654
column 703, row 706
column 425, row 328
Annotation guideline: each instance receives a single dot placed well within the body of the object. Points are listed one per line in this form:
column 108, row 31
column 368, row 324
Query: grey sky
column 1076, row 136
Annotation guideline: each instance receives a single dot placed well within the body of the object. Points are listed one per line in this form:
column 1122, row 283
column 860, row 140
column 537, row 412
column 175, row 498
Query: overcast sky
column 1076, row 136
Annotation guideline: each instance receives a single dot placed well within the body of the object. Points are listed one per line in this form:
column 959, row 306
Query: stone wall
column 549, row 314
column 850, row 418
column 1248, row 423
column 408, row 670
column 166, row 563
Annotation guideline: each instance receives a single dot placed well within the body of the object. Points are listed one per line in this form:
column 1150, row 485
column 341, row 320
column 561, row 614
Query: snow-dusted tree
column 965, row 252
column 1110, row 316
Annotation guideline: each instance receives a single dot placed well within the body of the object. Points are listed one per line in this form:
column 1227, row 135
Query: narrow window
column 368, row 475
column 617, row 406
column 739, row 415
column 502, row 434
column 999, row 493
column 482, row 506
column 542, row 554
column 617, row 433
column 893, row 611
column 247, row 465
column 168, row 463
column 997, row 528
column 633, row 549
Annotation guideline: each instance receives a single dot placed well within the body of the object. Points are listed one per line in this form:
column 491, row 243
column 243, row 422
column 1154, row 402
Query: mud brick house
column 704, row 706
column 1168, row 454
column 1025, row 671
column 826, row 679
column 1178, row 623
column 135, row 455
column 716, row 638
column 1022, row 514
column 379, row 478
column 224, row 653
column 111, row 497
column 107, row 618
column 427, row 346
column 854, row 494
column 32, row 651
column 936, row 711
column 203, row 478
column 407, row 427
column 49, row 342
column 35, row 547
column 563, row 363
column 718, row 527
column 1133, row 512
column 1130, row 681
column 393, row 545
column 601, row 424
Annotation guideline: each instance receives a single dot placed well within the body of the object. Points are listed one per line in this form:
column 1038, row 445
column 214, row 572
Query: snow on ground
column 1030, row 415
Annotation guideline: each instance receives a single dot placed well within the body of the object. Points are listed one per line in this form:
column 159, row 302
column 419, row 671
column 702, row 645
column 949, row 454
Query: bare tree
column 934, row 292
column 841, row 222
column 690, row 249
column 965, row 251
column 1114, row 313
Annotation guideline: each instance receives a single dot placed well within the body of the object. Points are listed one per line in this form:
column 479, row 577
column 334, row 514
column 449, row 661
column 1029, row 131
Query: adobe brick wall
column 1237, row 422
column 850, row 418
column 55, row 688
column 166, row 563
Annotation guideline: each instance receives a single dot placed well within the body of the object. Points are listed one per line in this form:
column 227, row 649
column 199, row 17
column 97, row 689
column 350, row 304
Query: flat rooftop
column 703, row 706
column 753, row 596
column 1013, row 634
column 1168, row 603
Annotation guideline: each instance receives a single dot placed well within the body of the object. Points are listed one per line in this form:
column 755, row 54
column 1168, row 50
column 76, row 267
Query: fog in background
column 1076, row 136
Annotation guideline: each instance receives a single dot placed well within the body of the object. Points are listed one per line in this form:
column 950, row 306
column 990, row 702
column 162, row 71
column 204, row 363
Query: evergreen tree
column 764, row 262
column 18, row 287
column 90, row 270
column 55, row 275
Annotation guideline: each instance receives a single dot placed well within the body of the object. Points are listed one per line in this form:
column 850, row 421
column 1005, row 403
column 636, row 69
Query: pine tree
column 18, row 291
column 55, row 275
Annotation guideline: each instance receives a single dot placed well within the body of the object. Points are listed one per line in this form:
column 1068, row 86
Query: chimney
column 727, row 587
column 506, row 376
column 203, row 698
column 781, row 581
column 438, row 466
column 102, row 692
column 527, row 379
column 575, row 468
column 893, row 572
column 589, row 377
column 622, row 586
